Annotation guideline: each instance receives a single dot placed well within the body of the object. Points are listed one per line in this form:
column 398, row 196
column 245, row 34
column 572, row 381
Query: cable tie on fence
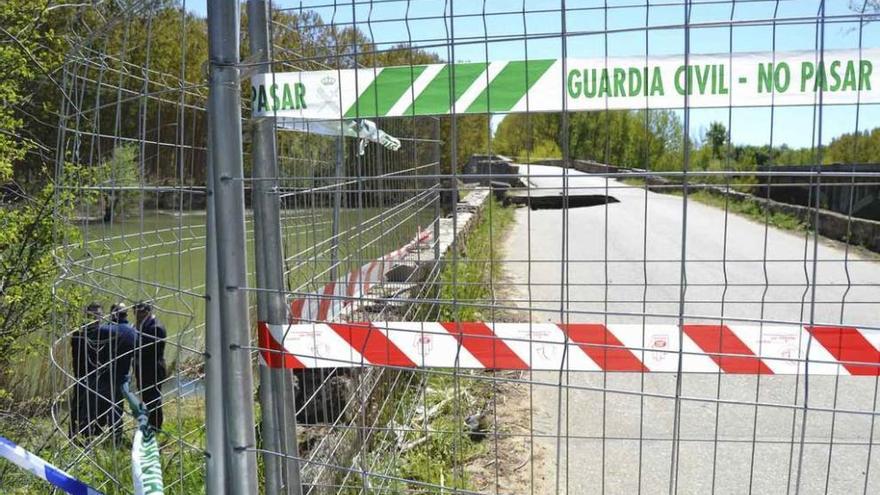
column 223, row 65
column 253, row 64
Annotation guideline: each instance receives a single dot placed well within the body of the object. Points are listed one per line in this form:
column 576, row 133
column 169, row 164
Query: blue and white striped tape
column 37, row 466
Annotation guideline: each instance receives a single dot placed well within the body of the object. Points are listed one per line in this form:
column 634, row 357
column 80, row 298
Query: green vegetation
column 31, row 216
column 116, row 176
column 654, row 140
column 615, row 137
column 428, row 442
column 749, row 209
column 161, row 257
column 183, row 462
column 857, row 147
column 447, row 447
column 51, row 264
column 716, row 136
column 170, row 45
column 439, row 457
column 478, row 264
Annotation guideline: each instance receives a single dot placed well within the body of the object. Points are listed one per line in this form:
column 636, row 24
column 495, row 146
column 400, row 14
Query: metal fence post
column 279, row 413
column 214, row 420
column 337, row 206
column 262, row 143
column 225, row 129
column 438, row 184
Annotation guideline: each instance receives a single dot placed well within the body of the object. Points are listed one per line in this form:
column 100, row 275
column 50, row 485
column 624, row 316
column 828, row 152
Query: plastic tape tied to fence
column 43, row 470
column 731, row 348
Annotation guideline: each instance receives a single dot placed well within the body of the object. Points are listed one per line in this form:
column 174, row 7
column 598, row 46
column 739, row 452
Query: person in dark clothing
column 150, row 361
column 82, row 413
column 114, row 350
column 99, row 356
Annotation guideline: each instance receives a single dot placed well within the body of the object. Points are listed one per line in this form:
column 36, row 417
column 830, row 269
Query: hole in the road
column 557, row 202
column 579, row 201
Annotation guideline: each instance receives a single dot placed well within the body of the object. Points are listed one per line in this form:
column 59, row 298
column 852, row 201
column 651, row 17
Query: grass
column 469, row 278
column 435, row 447
column 440, row 459
column 748, row 208
column 429, row 445
column 181, row 450
column 427, row 410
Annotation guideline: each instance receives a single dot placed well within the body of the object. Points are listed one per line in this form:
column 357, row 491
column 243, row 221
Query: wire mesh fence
column 483, row 247
column 131, row 160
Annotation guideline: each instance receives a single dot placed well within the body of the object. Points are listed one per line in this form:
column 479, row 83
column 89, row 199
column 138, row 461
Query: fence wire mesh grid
column 406, row 246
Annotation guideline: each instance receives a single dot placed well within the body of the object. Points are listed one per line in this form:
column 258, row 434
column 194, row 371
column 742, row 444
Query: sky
column 620, row 27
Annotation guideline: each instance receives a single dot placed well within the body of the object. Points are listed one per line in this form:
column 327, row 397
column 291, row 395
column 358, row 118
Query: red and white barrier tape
column 339, row 294
column 732, row 348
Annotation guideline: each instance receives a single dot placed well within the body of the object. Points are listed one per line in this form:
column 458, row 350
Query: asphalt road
column 600, row 433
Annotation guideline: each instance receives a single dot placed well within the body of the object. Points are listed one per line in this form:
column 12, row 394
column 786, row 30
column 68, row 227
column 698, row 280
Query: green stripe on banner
column 384, row 91
column 509, row 86
column 434, row 99
column 146, row 465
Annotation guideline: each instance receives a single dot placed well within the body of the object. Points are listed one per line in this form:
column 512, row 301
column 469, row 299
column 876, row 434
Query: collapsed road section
column 540, row 187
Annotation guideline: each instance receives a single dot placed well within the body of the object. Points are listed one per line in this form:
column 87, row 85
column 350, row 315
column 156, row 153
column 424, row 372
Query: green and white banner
column 720, row 80
column 146, row 465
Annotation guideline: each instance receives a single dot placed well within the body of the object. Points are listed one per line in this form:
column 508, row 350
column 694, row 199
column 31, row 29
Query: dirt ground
column 513, row 464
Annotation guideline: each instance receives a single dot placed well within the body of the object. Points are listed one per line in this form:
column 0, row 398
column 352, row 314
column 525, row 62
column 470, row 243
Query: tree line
column 654, row 140
column 163, row 54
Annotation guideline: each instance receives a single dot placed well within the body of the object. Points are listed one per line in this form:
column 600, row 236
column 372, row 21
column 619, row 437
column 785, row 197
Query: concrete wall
column 850, row 188
column 489, row 168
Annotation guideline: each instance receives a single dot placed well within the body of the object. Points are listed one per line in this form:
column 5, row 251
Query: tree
column 716, row 136
column 547, row 149
column 33, row 217
column 118, row 173
column 512, row 137
column 20, row 41
column 526, row 136
column 856, row 147
column 644, row 139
